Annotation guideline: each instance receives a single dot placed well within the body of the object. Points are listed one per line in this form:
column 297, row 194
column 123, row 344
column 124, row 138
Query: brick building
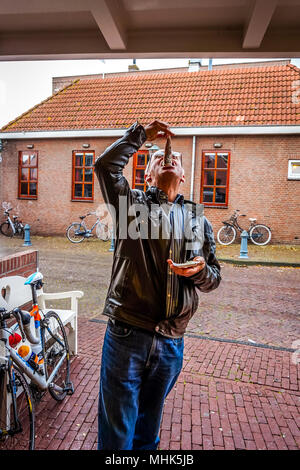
column 238, row 130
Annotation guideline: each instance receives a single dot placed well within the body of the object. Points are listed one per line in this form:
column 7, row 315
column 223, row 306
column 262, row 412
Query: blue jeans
column 138, row 370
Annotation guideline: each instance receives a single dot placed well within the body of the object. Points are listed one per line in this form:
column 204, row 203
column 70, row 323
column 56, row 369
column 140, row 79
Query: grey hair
column 161, row 152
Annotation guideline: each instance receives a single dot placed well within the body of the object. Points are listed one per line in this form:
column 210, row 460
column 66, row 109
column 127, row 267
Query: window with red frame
column 140, row 160
column 28, row 175
column 215, row 178
column 83, row 176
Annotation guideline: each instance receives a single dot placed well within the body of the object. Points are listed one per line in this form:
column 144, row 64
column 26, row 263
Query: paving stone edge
column 246, row 261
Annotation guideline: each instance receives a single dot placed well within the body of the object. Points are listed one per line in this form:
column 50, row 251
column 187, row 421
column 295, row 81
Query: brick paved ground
column 259, row 303
column 228, row 396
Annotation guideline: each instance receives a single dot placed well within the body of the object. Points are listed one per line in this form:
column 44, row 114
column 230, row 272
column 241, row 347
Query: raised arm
column 110, row 165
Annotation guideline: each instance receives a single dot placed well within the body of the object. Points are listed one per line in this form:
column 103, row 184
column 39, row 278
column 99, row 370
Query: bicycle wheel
column 103, row 232
column 226, row 235
column 75, row 233
column 56, row 350
column 260, row 234
column 16, row 434
column 6, row 229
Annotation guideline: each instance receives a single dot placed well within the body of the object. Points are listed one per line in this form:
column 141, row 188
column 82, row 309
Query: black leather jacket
column 143, row 291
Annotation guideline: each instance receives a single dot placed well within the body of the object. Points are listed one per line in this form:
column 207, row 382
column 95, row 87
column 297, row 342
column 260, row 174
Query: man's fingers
column 165, row 128
column 186, row 272
column 199, row 258
column 164, row 134
column 161, row 123
column 161, row 127
column 180, row 271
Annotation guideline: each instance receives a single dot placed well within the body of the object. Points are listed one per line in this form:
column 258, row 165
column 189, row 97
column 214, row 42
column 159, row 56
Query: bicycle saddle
column 252, row 220
column 82, row 217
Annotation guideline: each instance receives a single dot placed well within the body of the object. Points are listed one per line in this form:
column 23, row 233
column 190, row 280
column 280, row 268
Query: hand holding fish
column 157, row 129
column 188, row 269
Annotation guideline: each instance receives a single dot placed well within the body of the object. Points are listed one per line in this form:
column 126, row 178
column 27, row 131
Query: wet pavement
column 239, row 387
column 228, row 397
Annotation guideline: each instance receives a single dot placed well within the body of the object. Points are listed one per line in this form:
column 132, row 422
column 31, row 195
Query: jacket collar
column 158, row 196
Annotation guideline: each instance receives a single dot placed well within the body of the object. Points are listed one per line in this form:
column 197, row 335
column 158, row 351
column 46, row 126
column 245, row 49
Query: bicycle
column 31, row 363
column 78, row 231
column 259, row 234
column 10, row 227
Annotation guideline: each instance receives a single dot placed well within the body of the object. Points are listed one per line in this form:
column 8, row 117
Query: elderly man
column 150, row 299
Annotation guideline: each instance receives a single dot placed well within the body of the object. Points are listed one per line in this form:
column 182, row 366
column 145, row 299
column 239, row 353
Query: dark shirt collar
column 159, row 196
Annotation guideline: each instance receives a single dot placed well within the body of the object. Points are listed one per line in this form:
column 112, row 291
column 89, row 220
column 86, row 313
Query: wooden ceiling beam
column 258, row 22
column 109, row 16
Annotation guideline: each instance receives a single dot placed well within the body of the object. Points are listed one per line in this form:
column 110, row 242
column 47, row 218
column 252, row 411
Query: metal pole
column 193, row 168
column 27, row 241
column 244, row 245
column 112, row 242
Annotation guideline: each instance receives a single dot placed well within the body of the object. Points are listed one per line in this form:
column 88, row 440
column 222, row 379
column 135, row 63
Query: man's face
column 157, row 172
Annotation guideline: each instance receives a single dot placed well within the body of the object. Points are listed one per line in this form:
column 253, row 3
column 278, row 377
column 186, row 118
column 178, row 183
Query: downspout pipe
column 193, row 168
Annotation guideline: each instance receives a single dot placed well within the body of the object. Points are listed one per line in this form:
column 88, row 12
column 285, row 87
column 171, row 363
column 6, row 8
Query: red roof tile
column 229, row 97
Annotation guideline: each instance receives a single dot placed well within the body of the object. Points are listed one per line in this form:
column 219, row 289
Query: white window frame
column 292, row 176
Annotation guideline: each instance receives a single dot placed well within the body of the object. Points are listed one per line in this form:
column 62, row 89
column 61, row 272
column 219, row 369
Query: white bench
column 17, row 294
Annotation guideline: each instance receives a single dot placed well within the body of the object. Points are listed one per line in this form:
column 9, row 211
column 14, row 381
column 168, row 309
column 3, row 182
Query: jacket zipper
column 175, row 256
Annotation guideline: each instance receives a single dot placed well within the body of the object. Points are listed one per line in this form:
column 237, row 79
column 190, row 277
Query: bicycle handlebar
column 23, row 319
column 5, row 315
column 239, row 215
column 89, row 213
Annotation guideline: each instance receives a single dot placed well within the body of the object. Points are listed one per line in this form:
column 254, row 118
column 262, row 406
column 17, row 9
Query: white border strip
column 63, row 134
column 186, row 131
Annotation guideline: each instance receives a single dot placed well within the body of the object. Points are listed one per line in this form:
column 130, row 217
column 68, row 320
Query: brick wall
column 19, row 264
column 258, row 183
